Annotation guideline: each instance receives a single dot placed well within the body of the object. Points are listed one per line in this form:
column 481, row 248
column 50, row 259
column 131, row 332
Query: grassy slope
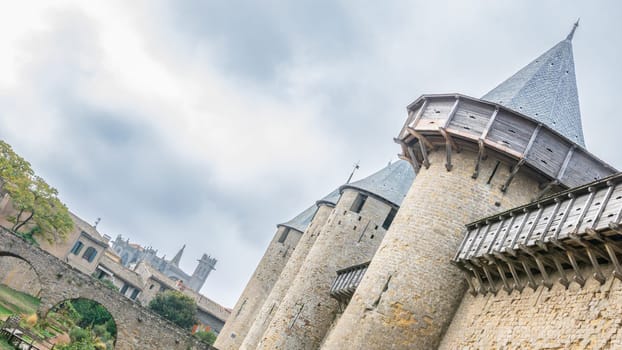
column 12, row 301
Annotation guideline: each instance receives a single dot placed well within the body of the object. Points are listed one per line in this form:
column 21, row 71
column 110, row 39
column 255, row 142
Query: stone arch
column 23, row 264
column 62, row 304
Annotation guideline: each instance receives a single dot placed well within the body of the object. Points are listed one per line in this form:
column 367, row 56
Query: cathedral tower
column 473, row 158
column 350, row 237
column 265, row 276
column 206, row 265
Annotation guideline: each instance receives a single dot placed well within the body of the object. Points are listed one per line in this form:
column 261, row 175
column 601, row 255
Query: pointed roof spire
column 574, row 28
column 177, row 257
column 546, row 90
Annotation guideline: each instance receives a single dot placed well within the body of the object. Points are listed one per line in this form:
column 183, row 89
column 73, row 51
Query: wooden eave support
column 449, row 145
column 423, row 143
column 481, row 155
column 517, row 282
column 521, row 161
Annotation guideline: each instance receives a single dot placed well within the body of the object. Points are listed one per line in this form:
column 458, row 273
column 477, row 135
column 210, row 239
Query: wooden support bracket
column 481, row 155
column 515, row 170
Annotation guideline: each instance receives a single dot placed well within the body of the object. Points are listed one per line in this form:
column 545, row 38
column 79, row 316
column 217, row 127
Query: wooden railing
column 568, row 231
column 347, row 281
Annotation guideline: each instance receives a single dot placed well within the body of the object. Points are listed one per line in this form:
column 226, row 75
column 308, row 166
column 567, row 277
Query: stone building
column 508, row 237
column 131, row 254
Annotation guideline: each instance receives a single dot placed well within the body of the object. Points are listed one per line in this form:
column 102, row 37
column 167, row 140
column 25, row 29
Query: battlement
column 572, row 229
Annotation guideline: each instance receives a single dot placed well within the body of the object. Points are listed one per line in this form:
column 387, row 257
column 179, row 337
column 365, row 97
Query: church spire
column 546, row 90
column 177, row 257
column 574, row 28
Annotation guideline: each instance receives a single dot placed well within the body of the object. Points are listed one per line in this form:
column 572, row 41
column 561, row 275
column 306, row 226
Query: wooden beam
column 481, row 241
column 449, row 144
column 547, row 188
column 534, row 223
column 416, row 164
column 420, row 137
column 507, row 232
column 563, row 280
column 603, row 204
column 518, row 232
column 578, row 277
column 562, row 170
column 531, row 282
column 515, row 170
column 494, row 238
column 489, row 124
column 584, row 210
column 481, row 154
column 562, row 221
column 541, row 241
column 452, row 112
column 424, row 154
column 532, row 139
column 419, row 113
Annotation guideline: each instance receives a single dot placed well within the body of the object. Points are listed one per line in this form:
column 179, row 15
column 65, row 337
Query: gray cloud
column 243, row 114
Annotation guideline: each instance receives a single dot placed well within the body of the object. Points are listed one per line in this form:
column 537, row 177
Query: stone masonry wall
column 577, row 318
column 19, row 275
column 257, row 290
column 287, row 277
column 410, row 292
column 307, row 310
column 137, row 327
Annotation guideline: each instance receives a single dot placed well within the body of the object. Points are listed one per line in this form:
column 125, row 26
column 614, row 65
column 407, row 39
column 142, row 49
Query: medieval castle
column 497, row 229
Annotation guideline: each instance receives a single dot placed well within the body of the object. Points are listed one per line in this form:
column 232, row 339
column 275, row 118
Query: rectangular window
column 387, row 222
column 284, row 235
column 358, row 203
column 124, row 288
column 77, row 248
column 134, row 294
column 89, row 254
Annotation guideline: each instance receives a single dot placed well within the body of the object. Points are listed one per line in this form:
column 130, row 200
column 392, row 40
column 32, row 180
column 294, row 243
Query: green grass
column 5, row 346
column 15, row 302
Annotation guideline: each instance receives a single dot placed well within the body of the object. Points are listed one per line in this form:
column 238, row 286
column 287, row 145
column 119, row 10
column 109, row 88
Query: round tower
column 325, row 208
column 350, row 237
column 473, row 158
column 265, row 276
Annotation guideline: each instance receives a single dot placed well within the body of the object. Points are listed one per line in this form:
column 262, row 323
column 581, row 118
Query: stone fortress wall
column 272, row 302
column 265, row 276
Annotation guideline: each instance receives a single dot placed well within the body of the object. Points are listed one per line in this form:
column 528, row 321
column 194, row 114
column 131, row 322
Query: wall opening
column 358, row 203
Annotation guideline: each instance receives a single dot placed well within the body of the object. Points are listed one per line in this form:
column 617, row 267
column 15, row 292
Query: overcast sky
column 209, row 122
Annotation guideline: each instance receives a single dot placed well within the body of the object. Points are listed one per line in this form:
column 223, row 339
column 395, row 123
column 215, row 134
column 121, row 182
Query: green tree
column 207, row 337
column 175, row 307
column 39, row 210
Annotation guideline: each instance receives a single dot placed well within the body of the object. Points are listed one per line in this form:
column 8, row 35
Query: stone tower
column 265, row 276
column 473, row 158
column 325, row 208
column 206, row 265
column 350, row 237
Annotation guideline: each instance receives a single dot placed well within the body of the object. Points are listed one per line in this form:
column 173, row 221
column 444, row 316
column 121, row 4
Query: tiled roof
column 546, row 90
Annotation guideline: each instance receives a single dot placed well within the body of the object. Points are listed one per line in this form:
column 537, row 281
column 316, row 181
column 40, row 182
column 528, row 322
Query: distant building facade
column 132, row 254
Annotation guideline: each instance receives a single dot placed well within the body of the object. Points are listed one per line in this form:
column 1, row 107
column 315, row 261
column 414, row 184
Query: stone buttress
column 325, row 208
column 265, row 276
column 351, row 236
column 473, row 158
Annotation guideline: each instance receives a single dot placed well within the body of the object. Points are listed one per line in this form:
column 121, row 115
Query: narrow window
column 151, row 286
column 134, row 294
column 124, row 288
column 358, row 203
column 387, row 222
column 284, row 235
column 89, row 254
column 77, row 248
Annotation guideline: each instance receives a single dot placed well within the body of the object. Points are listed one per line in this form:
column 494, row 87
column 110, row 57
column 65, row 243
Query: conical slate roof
column 546, row 90
column 390, row 183
column 330, row 198
column 302, row 220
